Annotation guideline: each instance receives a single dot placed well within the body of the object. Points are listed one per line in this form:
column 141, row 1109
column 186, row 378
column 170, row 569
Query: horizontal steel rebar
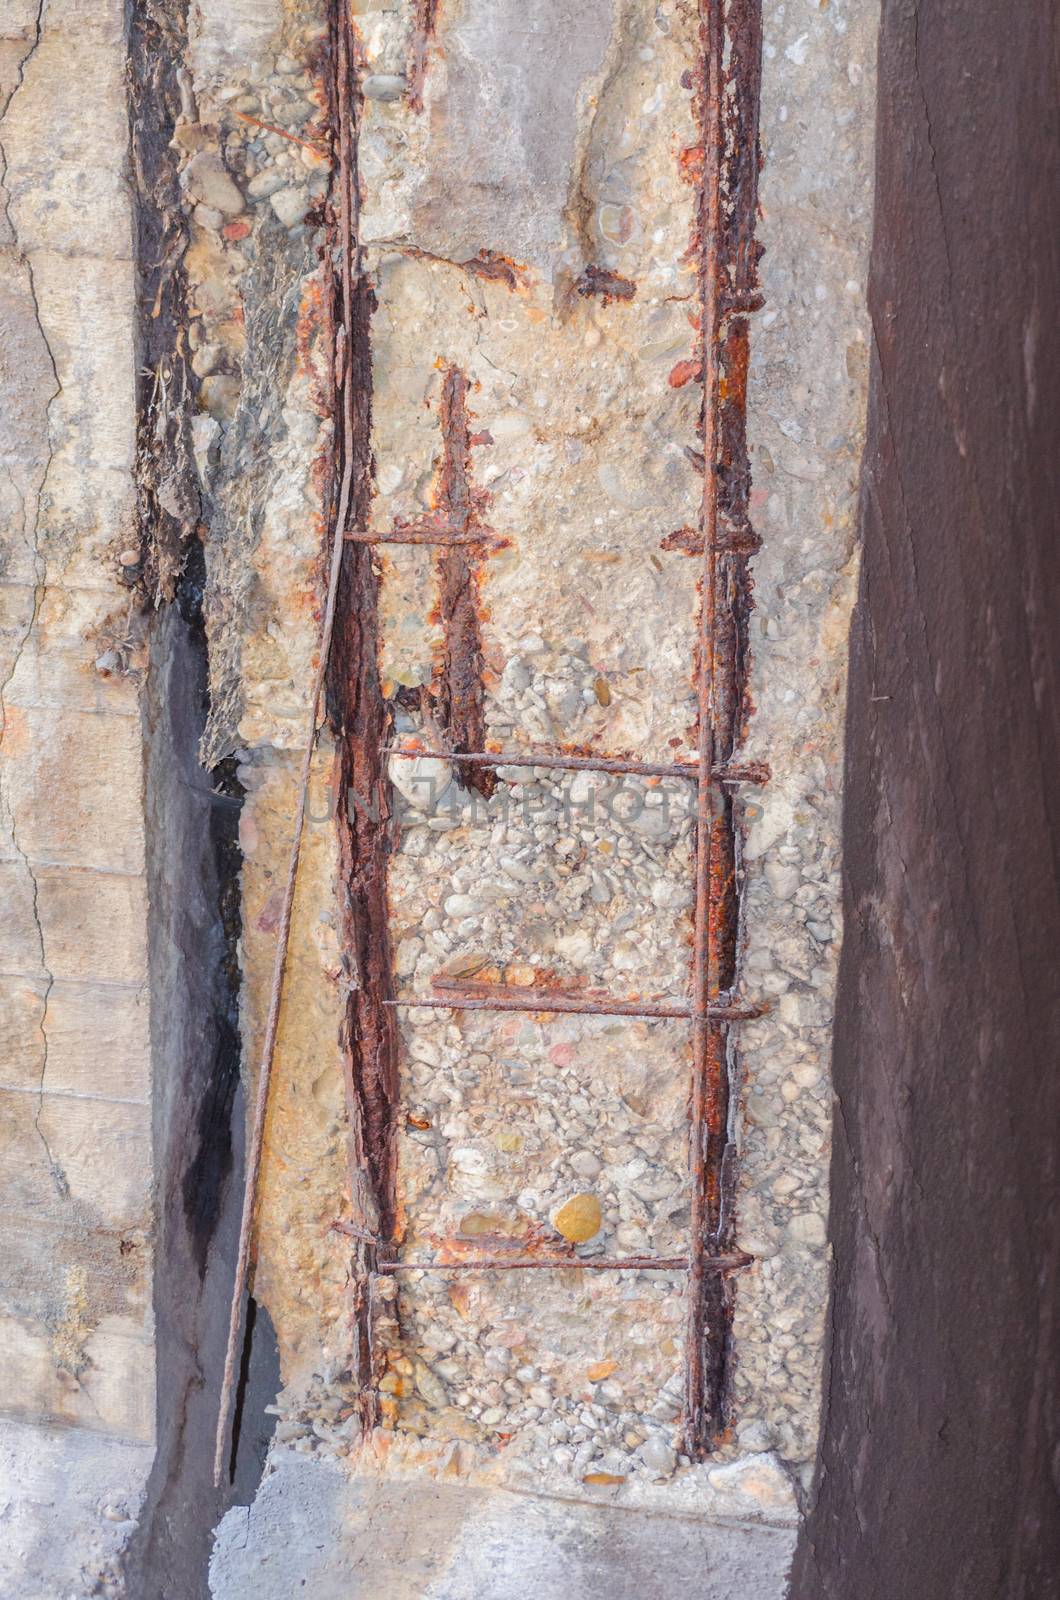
column 730, row 772
column 499, row 997
column 425, row 533
column 729, row 1263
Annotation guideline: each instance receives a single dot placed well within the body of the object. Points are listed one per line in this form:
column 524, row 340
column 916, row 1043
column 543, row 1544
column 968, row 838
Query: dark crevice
column 257, row 1387
column 193, row 875
column 194, row 866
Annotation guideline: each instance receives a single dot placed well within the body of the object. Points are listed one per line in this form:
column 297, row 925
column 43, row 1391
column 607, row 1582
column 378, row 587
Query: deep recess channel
column 194, row 883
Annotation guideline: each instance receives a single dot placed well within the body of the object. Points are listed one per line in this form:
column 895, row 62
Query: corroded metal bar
column 701, row 1407
column 360, row 718
column 727, row 772
column 727, row 104
column 729, row 1263
column 424, row 533
column 343, row 499
column 458, row 687
column 467, row 996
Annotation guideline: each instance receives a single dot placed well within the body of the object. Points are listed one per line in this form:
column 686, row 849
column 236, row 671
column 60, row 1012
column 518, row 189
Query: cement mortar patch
column 339, row 1536
column 68, row 1505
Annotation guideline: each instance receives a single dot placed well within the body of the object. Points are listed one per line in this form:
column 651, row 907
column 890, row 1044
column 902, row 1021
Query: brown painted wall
column 941, row 1449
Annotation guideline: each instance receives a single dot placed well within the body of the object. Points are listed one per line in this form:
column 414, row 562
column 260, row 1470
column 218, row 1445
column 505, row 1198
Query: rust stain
column 421, row 37
column 522, row 1239
column 606, row 285
column 319, row 146
column 459, row 695
column 684, row 372
column 458, row 994
column 690, row 541
column 493, row 267
column 489, row 265
column 690, row 164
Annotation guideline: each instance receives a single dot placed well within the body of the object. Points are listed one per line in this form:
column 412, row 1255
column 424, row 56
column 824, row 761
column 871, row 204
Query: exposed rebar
column 727, row 772
column 729, row 1263
column 347, row 205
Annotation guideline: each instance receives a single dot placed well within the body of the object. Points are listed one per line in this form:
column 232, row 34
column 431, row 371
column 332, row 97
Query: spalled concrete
column 554, row 155
column 577, row 459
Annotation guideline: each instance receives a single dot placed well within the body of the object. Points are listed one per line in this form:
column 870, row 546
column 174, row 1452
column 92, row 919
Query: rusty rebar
column 427, row 533
column 459, row 995
column 318, row 145
column 268, row 1050
column 742, row 542
column 734, row 1262
column 706, row 1093
column 458, row 687
column 504, row 758
column 727, row 772
column 352, row 1231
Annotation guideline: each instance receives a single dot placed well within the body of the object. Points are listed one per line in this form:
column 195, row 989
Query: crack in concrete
column 39, row 588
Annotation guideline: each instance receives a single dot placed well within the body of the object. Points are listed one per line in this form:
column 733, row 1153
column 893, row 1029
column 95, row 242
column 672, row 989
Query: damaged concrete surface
column 69, row 1500
column 579, row 420
column 526, row 213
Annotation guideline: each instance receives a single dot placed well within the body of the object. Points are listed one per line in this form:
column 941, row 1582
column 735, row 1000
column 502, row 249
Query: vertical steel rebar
column 348, row 214
column 708, row 1106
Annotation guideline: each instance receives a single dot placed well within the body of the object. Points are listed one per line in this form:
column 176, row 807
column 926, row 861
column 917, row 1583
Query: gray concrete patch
column 316, row 1530
column 68, row 1503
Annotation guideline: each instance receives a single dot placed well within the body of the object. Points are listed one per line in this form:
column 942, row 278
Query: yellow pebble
column 579, row 1219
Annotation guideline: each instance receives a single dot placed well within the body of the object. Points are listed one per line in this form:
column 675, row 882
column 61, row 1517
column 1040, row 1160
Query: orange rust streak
column 316, row 145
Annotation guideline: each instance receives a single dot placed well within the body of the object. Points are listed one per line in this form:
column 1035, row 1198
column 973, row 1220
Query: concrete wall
column 938, row 1473
column 75, row 1320
column 77, row 1402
